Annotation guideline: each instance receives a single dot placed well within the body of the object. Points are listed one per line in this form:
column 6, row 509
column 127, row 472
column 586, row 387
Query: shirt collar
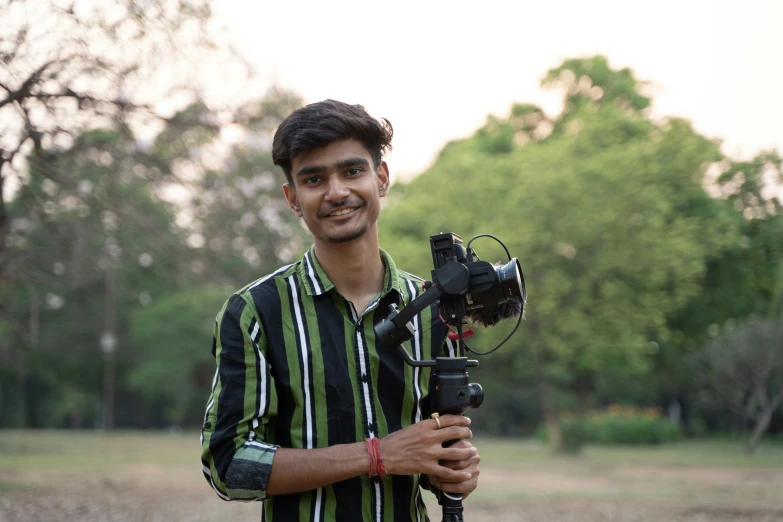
column 318, row 282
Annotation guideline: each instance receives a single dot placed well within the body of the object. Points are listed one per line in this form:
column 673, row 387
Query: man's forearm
column 297, row 470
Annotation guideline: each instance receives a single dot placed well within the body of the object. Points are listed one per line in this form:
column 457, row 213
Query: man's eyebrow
column 342, row 164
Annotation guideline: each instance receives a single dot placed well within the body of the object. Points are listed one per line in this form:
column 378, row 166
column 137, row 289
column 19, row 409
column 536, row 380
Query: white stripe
column 416, row 355
column 262, row 370
column 298, row 312
column 208, row 474
column 318, row 495
column 258, row 444
column 267, row 277
column 209, row 404
column 305, row 365
column 378, row 502
column 363, row 369
column 311, row 271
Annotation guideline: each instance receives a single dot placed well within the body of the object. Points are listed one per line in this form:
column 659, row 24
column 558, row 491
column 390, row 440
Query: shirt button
column 207, row 425
column 364, row 377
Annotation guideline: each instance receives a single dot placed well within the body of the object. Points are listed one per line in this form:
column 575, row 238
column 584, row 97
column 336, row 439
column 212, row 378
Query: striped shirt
column 298, row 367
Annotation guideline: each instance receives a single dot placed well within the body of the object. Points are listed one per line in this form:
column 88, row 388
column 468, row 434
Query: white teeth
column 342, row 212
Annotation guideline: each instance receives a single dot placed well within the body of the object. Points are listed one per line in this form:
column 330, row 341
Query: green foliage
column 592, row 79
column 616, row 425
column 628, row 259
column 630, row 426
column 594, row 216
column 171, row 338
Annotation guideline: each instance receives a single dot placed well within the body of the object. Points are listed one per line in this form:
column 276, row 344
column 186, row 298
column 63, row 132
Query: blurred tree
column 82, row 255
column 740, row 282
column 73, row 65
column 131, row 229
column 232, row 207
column 593, row 203
column 742, row 371
column 175, row 365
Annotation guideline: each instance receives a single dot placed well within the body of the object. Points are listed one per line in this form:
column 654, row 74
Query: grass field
column 133, row 476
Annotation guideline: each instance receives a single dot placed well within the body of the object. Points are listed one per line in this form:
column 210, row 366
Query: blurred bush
column 615, row 425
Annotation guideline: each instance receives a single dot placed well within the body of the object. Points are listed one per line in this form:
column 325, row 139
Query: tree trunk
column 108, row 341
column 4, row 228
column 763, row 423
column 21, row 384
column 21, row 361
column 548, row 406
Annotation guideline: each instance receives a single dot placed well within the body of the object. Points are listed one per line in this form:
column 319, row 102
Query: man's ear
column 293, row 201
column 383, row 179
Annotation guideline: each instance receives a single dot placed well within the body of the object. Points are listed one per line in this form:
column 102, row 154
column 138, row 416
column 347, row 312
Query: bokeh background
column 629, row 154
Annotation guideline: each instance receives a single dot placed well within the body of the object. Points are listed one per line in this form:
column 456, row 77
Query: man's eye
column 354, row 172
column 311, row 180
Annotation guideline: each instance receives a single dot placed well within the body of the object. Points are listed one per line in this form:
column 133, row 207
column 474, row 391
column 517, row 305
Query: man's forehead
column 331, row 154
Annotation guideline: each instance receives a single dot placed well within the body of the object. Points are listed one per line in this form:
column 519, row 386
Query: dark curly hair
column 319, row 124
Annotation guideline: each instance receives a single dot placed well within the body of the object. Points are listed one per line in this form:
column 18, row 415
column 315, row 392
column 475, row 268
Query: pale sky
column 436, row 69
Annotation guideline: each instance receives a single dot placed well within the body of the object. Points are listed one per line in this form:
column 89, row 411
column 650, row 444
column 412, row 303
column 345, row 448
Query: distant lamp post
column 108, row 347
column 108, row 343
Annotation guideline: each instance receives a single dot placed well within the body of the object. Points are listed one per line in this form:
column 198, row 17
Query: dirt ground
column 150, row 494
column 151, row 478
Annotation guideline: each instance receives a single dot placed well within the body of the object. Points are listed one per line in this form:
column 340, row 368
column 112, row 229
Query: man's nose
column 337, row 189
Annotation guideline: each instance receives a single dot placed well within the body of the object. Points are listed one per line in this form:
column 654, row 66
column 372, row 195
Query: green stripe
column 290, row 332
column 249, row 407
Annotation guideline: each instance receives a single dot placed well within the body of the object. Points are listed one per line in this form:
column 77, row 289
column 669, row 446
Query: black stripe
column 313, row 497
column 307, row 367
column 214, row 342
column 340, row 404
column 391, row 372
column 402, row 489
column 340, row 407
column 232, row 378
column 267, row 301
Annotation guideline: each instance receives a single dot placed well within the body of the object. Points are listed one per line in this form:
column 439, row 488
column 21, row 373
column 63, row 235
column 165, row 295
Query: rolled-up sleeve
column 235, row 457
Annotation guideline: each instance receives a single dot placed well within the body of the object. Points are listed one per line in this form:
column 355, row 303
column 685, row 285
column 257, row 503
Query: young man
column 306, row 412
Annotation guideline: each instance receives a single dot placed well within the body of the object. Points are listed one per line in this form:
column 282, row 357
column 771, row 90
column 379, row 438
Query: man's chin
column 348, row 237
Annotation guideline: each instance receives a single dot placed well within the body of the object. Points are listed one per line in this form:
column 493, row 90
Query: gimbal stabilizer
column 463, row 285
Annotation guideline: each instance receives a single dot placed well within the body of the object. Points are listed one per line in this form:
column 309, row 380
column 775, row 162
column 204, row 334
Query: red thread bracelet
column 379, row 467
column 376, row 467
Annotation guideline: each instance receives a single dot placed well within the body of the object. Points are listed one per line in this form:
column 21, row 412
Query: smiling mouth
column 342, row 212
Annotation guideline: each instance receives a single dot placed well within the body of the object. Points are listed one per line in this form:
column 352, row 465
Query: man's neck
column 355, row 268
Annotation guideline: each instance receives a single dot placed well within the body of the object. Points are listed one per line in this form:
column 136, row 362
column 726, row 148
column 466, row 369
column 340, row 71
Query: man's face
column 337, row 191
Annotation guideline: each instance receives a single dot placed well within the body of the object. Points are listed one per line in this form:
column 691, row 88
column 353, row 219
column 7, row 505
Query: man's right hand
column 418, row 448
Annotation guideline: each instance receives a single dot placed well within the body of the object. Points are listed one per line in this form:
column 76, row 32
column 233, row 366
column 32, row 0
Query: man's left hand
column 470, row 465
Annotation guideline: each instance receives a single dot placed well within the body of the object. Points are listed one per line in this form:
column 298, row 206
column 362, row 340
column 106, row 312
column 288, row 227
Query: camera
column 465, row 286
column 485, row 292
